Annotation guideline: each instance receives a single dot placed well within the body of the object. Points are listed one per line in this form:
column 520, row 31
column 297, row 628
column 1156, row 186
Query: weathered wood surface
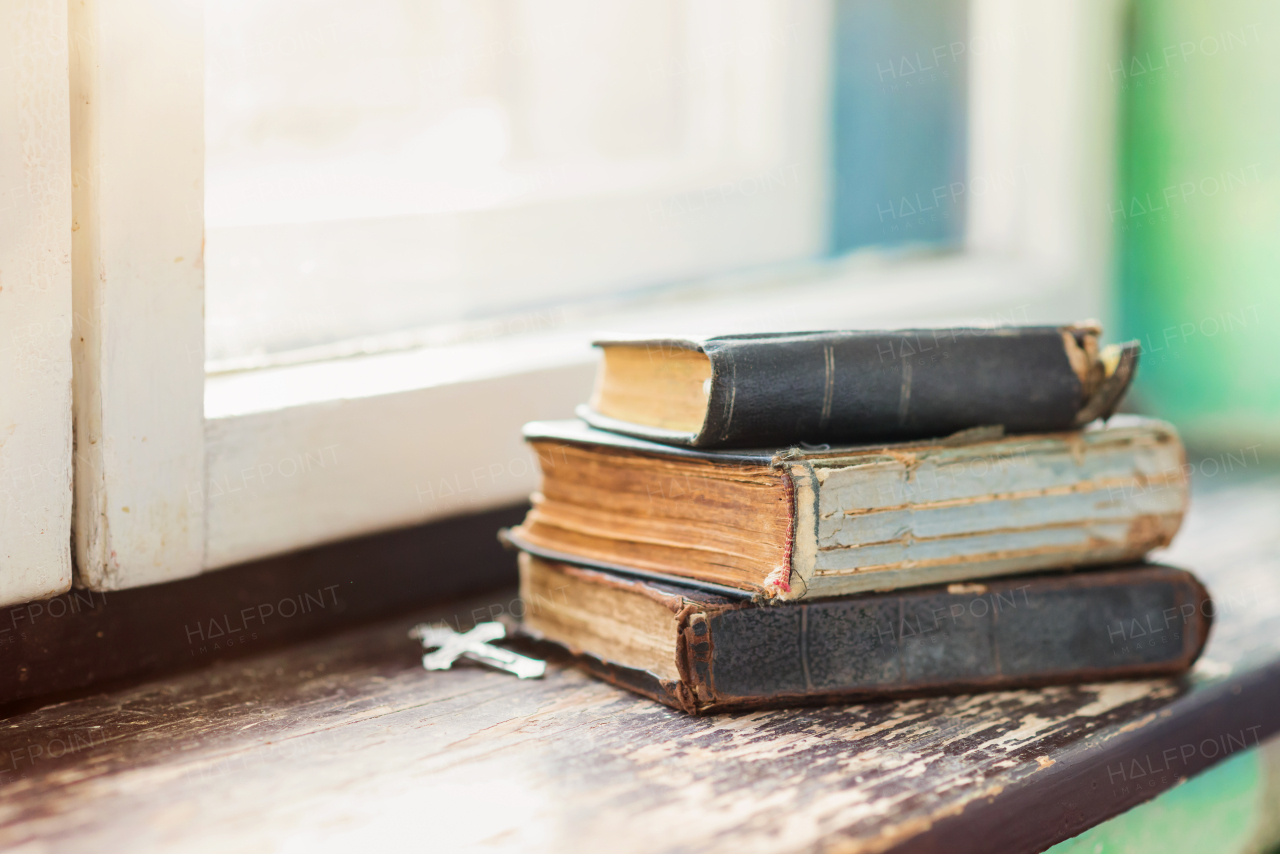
column 346, row 742
column 85, row 638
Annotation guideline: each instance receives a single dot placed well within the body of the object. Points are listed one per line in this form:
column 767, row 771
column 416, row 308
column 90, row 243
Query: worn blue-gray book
column 803, row 521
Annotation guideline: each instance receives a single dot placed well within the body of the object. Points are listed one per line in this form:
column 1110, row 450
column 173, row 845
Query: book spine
column 1138, row 622
column 846, row 387
column 931, row 515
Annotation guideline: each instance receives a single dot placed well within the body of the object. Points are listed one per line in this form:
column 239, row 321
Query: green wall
column 1197, row 216
column 1224, row 810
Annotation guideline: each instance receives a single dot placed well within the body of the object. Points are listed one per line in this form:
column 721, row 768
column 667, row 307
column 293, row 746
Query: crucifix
column 474, row 645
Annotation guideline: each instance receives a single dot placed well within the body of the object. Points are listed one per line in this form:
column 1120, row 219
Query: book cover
column 701, row 652
column 738, row 391
column 805, row 522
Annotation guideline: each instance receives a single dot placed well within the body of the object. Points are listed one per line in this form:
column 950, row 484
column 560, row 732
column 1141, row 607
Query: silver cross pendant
column 474, row 646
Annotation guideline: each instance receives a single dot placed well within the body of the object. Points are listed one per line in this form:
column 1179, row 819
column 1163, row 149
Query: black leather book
column 739, row 391
column 701, row 652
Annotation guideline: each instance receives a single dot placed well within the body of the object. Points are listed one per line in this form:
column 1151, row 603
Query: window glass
column 899, row 122
column 408, row 166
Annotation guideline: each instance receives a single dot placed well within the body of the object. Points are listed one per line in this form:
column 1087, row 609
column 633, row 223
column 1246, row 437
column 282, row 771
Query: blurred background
column 1197, row 272
column 396, row 174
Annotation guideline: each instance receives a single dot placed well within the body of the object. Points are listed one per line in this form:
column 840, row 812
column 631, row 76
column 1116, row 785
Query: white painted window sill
column 298, row 455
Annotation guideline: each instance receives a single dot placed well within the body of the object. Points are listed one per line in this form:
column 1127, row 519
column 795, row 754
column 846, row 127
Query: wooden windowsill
column 345, row 740
column 83, row 640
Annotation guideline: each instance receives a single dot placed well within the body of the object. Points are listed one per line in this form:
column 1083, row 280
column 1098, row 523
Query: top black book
column 777, row 389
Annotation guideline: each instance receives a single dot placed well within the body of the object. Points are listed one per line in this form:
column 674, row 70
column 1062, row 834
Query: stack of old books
column 740, row 521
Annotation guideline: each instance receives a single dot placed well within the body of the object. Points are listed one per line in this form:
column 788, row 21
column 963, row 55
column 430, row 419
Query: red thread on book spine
column 780, row 578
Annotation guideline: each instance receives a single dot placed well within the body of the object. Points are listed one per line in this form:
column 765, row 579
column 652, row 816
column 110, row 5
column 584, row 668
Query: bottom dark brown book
column 701, row 652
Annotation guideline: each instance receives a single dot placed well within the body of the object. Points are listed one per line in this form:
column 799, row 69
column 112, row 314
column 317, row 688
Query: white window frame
column 178, row 474
column 35, row 302
column 743, row 187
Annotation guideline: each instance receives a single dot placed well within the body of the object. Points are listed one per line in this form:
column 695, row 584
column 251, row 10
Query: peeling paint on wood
column 346, row 742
